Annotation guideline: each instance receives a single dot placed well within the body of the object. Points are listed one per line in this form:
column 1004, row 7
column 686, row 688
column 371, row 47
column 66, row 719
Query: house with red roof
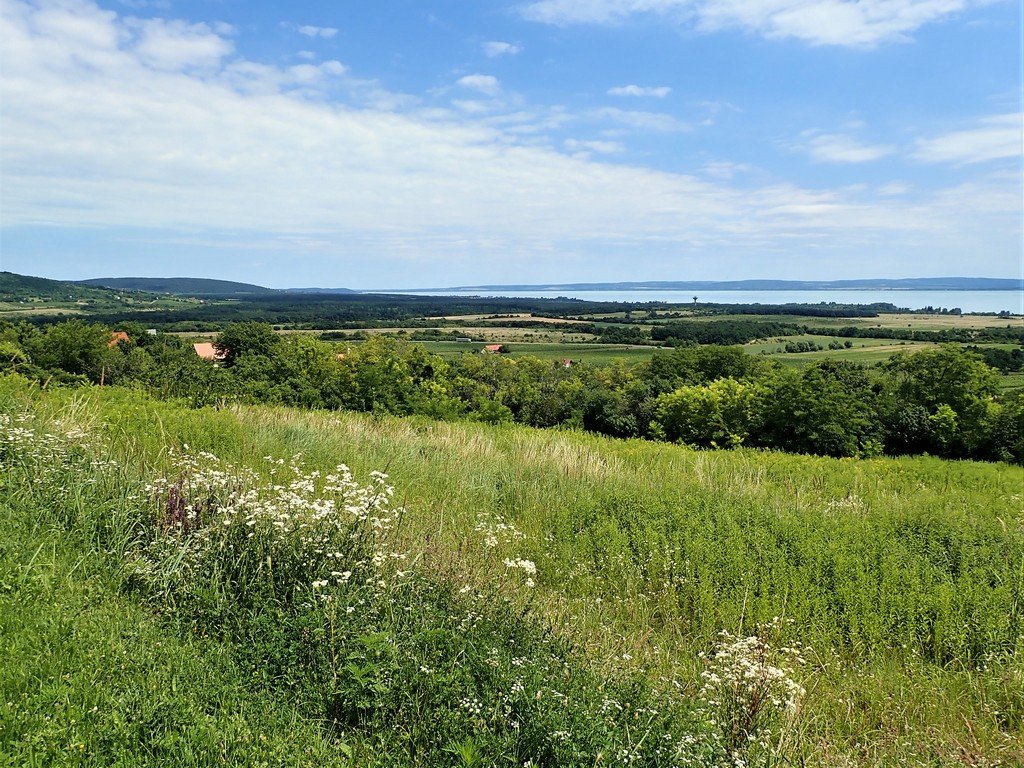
column 207, row 351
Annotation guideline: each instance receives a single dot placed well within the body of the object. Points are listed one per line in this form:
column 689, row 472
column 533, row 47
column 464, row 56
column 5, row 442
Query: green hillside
column 521, row 597
column 183, row 286
column 15, row 287
column 39, row 298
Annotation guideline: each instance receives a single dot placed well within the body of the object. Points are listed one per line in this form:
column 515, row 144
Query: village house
column 116, row 337
column 207, row 351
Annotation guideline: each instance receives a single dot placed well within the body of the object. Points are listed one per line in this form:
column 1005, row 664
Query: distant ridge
column 882, row 284
column 181, row 286
column 16, row 287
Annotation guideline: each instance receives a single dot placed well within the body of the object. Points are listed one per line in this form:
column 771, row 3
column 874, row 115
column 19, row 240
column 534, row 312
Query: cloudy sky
column 446, row 142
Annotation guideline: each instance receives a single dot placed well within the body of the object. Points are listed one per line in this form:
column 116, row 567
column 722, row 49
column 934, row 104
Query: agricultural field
column 877, row 601
column 862, row 350
column 595, row 354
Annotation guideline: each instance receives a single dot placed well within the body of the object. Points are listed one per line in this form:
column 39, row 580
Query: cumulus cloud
column 997, row 137
column 495, row 48
column 102, row 132
column 312, row 31
column 840, row 148
column 658, row 92
column 486, row 84
column 855, row 23
column 175, row 44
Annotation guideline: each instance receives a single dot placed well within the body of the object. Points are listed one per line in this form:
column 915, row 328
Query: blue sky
column 427, row 143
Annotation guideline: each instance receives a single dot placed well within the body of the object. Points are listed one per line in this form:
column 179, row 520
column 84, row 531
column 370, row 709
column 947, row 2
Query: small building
column 494, row 349
column 116, row 337
column 207, row 351
column 566, row 363
column 151, row 331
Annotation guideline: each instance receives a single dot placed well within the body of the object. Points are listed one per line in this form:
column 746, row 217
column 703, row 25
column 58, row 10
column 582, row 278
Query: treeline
column 329, row 311
column 720, row 331
column 942, row 401
column 1009, row 334
column 823, row 309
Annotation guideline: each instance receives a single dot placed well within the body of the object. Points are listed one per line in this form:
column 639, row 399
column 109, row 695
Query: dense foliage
column 942, row 401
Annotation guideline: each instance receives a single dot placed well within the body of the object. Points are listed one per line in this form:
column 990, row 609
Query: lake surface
column 968, row 301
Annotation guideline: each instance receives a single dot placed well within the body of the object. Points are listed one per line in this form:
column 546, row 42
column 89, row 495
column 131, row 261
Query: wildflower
column 525, row 565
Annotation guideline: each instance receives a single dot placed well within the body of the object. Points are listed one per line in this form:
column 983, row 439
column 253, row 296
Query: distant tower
column 695, row 301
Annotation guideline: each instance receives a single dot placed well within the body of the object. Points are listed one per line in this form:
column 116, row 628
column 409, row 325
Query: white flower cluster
column 306, row 517
column 850, row 504
column 749, row 687
column 44, row 452
column 495, row 530
column 526, row 566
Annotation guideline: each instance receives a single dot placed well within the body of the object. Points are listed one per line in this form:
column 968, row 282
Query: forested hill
column 182, row 286
column 23, row 288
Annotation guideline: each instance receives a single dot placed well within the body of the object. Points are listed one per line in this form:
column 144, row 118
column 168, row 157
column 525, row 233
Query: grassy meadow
column 555, row 598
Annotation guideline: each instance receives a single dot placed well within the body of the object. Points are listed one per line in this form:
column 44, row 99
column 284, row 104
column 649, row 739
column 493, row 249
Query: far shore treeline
column 943, row 401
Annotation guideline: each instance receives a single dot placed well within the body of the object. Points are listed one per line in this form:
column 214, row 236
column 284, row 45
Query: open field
column 596, row 354
column 865, row 351
column 903, row 579
column 20, row 311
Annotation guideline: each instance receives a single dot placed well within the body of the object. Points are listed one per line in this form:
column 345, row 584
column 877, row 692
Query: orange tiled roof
column 207, row 351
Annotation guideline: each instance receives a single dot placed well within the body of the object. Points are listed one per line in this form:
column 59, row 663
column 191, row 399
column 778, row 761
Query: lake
column 968, row 301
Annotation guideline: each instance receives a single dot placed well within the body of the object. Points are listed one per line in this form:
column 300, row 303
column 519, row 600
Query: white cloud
column 839, row 148
column 495, row 48
column 646, row 121
column 597, row 147
column 857, row 23
column 894, row 189
column 100, row 133
column 175, row 44
column 724, row 169
column 999, row 137
column 658, row 92
column 486, row 84
column 312, row 31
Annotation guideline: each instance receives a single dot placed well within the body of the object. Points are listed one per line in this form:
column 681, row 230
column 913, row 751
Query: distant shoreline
column 901, row 284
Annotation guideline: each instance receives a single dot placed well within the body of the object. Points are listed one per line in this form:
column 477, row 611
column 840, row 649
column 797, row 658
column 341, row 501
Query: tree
column 954, row 387
column 246, row 338
column 74, row 347
column 828, row 409
column 718, row 415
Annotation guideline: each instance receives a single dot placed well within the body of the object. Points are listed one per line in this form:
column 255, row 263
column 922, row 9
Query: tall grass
column 902, row 579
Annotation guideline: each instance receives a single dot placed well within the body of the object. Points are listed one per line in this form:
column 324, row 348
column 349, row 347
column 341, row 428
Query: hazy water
column 968, row 301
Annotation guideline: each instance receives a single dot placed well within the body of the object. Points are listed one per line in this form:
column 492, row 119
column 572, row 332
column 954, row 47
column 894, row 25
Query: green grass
column 91, row 677
column 864, row 351
column 903, row 577
column 596, row 354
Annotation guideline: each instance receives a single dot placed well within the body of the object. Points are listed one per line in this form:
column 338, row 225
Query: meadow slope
column 901, row 579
